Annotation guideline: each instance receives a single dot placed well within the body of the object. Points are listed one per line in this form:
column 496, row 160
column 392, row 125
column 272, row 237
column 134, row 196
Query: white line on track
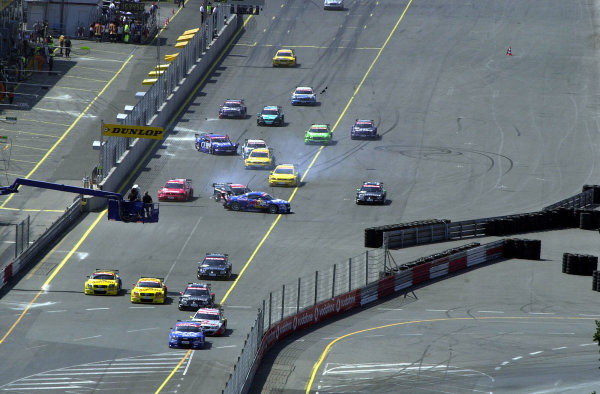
column 505, row 363
column 590, row 315
column 188, row 363
column 542, row 313
column 587, row 344
column 389, row 309
column 143, row 329
column 410, row 334
column 534, row 353
column 436, row 310
column 60, row 310
column 35, row 347
column 559, row 348
column 517, row 358
column 96, row 309
column 192, row 234
column 226, row 346
column 490, row 312
column 83, row 339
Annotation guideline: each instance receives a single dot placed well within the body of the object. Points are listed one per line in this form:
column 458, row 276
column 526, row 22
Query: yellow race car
column 149, row 289
column 284, row 175
column 284, row 57
column 259, row 158
column 105, row 282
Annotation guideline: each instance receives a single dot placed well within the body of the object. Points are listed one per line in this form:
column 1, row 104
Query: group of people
column 127, row 30
column 136, row 195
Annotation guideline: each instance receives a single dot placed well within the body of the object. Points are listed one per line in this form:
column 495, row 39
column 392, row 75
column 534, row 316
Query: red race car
column 176, row 189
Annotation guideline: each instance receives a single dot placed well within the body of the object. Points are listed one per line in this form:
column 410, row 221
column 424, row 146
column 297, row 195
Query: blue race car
column 257, row 201
column 188, row 334
column 304, row 95
column 215, row 144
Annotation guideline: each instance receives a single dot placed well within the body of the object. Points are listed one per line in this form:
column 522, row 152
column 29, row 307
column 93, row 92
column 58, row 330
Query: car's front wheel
column 235, row 206
column 273, row 209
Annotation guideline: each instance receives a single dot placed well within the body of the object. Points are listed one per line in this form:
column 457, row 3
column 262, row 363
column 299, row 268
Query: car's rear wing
column 152, row 277
column 106, row 270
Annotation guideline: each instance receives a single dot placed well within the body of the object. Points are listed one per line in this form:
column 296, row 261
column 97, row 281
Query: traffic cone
column 172, row 11
column 167, row 22
column 509, row 51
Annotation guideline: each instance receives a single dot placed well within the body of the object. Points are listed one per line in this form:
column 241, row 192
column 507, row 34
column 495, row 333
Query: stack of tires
column 374, row 235
column 579, row 264
column 528, row 249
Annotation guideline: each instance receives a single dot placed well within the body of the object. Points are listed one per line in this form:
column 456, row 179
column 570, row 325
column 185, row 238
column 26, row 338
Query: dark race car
column 257, row 201
column 271, row 115
column 222, row 191
column 215, row 144
column 371, row 193
column 233, row 109
column 187, row 334
column 215, row 265
column 196, row 296
column 363, row 129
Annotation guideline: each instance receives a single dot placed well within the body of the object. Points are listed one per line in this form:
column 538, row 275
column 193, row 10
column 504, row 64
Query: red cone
column 509, row 51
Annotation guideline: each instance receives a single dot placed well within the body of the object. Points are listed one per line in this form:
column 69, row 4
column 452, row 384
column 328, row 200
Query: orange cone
column 172, row 11
column 167, row 22
column 509, row 51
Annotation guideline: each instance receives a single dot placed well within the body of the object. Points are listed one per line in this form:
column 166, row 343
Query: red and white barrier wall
column 380, row 289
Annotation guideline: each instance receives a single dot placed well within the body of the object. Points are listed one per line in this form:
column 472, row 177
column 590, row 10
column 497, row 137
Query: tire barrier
column 438, row 258
column 527, row 249
column 596, row 280
column 579, row 264
column 374, row 235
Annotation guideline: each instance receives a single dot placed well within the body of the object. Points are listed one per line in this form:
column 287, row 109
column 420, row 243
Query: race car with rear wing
column 222, row 191
column 212, row 320
column 271, row 115
column 249, row 145
column 104, row 282
column 304, row 95
column 257, row 201
column 188, row 334
column 149, row 289
column 196, row 295
column 363, row 129
column 215, row 265
column 215, row 144
column 176, row 190
column 371, row 193
column 233, row 109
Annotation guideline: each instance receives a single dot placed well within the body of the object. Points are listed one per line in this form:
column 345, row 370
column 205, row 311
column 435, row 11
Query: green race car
column 318, row 134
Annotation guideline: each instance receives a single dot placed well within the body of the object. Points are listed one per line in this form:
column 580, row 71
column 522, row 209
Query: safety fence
column 571, row 212
column 371, row 288
column 30, row 252
column 150, row 103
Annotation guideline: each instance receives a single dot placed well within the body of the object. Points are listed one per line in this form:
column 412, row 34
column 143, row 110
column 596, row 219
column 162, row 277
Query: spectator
column 91, row 31
column 134, row 194
column 120, row 32
column 147, row 200
column 201, row 13
column 61, row 42
column 67, row 47
column 209, row 9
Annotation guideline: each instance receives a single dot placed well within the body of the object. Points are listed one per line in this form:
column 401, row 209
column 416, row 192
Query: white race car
column 212, row 320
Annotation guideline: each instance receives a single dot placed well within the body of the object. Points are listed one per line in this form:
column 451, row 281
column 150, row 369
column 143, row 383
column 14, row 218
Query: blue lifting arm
column 118, row 209
column 14, row 188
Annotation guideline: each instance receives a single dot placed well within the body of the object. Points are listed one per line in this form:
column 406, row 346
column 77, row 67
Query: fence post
column 350, row 274
column 316, row 285
column 22, row 236
column 333, row 282
column 298, row 300
column 262, row 321
column 270, row 307
column 367, row 268
column 28, row 229
column 416, row 236
column 282, row 300
column 386, row 240
column 16, row 239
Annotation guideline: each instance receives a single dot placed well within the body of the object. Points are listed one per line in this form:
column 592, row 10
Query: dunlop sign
column 120, row 130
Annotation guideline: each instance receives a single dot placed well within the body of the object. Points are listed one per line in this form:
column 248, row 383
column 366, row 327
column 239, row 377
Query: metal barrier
column 114, row 147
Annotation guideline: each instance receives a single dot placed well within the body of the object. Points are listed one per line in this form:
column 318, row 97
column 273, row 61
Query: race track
column 467, row 132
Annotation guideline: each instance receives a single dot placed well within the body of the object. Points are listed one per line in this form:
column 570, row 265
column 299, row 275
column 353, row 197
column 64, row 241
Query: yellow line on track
column 317, row 365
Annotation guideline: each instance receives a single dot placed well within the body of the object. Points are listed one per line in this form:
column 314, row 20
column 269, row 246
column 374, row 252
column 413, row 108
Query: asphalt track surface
column 467, row 132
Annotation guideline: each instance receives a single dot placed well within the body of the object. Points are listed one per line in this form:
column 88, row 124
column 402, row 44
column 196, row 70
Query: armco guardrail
column 241, row 378
column 42, row 243
column 570, row 212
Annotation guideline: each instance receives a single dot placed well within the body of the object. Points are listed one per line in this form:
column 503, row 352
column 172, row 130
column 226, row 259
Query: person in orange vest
column 61, row 41
column 112, row 30
column 98, row 31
